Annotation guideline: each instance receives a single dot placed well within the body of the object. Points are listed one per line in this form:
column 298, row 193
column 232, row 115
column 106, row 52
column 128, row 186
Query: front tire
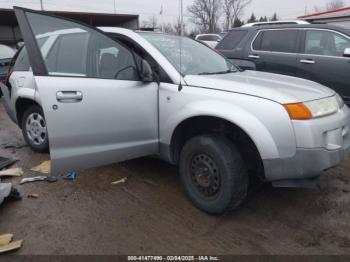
column 34, row 129
column 213, row 174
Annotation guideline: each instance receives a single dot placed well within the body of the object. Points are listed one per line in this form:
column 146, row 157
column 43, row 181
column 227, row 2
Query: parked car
column 280, row 22
column 222, row 35
column 6, row 54
column 315, row 52
column 209, row 39
column 96, row 96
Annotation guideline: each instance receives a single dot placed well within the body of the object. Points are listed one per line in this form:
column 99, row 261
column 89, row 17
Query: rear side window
column 68, row 54
column 21, row 59
column 321, row 42
column 232, row 39
column 283, row 41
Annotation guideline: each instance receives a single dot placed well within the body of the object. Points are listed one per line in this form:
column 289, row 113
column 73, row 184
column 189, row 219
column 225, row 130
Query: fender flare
column 251, row 125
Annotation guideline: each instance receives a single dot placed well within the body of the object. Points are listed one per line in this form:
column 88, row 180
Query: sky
column 286, row 9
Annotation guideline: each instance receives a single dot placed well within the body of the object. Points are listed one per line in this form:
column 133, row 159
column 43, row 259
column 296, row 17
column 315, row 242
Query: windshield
column 196, row 58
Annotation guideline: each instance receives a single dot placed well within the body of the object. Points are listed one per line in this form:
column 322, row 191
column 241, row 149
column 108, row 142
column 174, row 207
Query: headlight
column 314, row 109
column 340, row 101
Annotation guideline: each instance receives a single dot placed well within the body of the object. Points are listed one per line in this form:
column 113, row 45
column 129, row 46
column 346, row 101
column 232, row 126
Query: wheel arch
column 207, row 124
column 22, row 104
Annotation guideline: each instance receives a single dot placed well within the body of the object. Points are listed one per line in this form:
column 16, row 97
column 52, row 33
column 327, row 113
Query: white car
column 209, row 39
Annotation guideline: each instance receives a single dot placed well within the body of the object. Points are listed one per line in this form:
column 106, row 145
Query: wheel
column 34, row 129
column 213, row 174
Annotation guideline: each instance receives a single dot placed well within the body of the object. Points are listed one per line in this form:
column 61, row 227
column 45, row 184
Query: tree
column 263, row 19
column 274, row 17
column 177, row 27
column 252, row 19
column 152, row 22
column 232, row 10
column 332, row 5
column 335, row 4
column 205, row 14
column 238, row 22
column 168, row 28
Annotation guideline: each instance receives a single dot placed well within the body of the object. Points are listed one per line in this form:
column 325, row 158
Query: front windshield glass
column 196, row 58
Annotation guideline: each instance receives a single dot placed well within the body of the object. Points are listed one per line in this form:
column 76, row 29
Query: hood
column 279, row 88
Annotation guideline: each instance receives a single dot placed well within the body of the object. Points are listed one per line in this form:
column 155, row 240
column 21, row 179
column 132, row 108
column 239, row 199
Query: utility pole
column 41, row 5
column 115, row 6
column 181, row 18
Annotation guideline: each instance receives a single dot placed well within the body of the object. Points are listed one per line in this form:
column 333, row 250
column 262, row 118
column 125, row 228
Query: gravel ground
column 150, row 214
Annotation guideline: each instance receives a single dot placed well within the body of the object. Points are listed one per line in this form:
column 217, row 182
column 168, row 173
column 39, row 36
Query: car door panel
column 91, row 120
column 101, row 130
column 329, row 70
column 274, row 51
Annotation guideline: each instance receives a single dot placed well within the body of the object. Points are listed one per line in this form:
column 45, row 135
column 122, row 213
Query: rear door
column 274, row 51
column 322, row 60
column 97, row 109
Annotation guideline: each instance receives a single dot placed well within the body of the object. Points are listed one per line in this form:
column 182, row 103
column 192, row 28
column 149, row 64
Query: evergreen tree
column 238, row 23
column 274, row 17
column 252, row 18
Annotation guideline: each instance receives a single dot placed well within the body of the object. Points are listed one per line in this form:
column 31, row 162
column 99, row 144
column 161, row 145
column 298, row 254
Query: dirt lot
column 151, row 215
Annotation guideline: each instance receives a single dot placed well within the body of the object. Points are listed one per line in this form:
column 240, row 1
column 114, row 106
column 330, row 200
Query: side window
column 113, row 60
column 257, row 42
column 283, row 41
column 320, row 42
column 232, row 39
column 68, row 55
column 21, row 62
column 77, row 50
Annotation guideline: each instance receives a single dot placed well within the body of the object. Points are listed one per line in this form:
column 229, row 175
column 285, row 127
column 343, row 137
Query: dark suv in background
column 320, row 53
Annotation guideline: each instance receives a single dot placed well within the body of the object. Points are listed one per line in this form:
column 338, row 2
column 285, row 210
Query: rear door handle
column 307, row 61
column 69, row 96
column 254, row 56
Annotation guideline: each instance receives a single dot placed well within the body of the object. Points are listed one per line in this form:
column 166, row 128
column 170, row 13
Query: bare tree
column 174, row 28
column 152, row 22
column 205, row 14
column 335, row 4
column 332, row 5
column 232, row 10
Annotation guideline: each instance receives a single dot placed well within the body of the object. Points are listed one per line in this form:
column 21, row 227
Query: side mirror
column 146, row 72
column 347, row 52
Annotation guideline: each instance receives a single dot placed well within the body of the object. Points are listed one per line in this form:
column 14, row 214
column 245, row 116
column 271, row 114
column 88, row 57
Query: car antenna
column 181, row 35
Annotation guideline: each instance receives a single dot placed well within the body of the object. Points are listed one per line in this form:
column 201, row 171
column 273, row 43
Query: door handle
column 69, row 96
column 254, row 56
column 307, row 61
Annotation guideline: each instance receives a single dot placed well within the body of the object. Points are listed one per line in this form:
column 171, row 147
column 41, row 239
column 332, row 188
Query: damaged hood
column 279, row 88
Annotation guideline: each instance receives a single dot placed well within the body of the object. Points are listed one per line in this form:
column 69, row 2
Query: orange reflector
column 298, row 111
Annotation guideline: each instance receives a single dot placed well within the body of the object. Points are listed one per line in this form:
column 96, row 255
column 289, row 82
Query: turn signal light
column 298, row 111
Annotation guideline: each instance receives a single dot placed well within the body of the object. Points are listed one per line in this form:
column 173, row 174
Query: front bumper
column 307, row 163
column 321, row 144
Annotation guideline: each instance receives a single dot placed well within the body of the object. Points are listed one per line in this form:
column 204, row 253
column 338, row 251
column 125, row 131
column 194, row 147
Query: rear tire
column 34, row 129
column 213, row 174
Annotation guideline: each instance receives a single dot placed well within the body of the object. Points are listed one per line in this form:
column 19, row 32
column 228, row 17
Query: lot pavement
column 150, row 214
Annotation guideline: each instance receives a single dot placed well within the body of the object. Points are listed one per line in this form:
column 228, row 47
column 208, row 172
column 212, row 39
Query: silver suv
column 100, row 96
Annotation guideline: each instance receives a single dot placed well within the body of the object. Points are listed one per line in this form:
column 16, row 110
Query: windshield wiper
column 218, row 73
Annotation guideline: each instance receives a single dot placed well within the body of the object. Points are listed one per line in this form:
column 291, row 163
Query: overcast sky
column 286, row 9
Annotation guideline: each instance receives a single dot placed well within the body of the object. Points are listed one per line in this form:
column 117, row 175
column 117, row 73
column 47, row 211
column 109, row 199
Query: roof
column 8, row 17
column 337, row 13
column 318, row 26
column 275, row 23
